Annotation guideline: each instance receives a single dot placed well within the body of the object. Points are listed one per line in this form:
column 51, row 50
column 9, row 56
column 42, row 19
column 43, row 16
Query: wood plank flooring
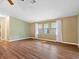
column 34, row 49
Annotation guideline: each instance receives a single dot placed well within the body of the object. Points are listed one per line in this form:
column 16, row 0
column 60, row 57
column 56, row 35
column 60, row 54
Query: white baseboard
column 18, row 39
column 70, row 43
column 44, row 39
column 56, row 41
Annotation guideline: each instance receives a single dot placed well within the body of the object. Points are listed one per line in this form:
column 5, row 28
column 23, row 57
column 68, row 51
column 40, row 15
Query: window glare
column 53, row 25
column 40, row 26
column 45, row 25
column 46, row 28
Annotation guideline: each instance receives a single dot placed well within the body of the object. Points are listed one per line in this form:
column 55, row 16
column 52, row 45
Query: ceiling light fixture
column 33, row 1
column 12, row 3
column 22, row 0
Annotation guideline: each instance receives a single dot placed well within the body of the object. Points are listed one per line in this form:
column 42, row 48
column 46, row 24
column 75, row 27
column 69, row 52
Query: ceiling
column 41, row 10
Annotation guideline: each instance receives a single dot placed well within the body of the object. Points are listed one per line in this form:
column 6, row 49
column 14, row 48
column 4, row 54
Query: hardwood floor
column 34, row 49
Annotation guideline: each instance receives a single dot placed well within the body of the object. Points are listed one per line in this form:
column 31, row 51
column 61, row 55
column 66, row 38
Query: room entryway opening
column 4, row 28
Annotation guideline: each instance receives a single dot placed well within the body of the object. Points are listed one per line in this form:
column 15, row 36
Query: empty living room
column 39, row 29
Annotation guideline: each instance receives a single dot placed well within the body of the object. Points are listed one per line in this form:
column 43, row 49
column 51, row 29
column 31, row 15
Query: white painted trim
column 43, row 39
column 55, row 41
column 63, row 42
column 10, row 40
column 70, row 43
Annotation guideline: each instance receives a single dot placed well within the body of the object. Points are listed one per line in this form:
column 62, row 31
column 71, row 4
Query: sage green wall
column 19, row 29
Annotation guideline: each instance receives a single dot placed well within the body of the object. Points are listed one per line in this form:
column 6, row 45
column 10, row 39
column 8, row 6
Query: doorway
column 4, row 28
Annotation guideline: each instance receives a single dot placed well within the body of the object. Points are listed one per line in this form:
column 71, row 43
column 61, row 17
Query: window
column 36, row 30
column 46, row 28
column 53, row 28
column 40, row 28
column 53, row 25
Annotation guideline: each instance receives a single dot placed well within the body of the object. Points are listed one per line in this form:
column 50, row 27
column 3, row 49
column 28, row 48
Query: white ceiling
column 41, row 10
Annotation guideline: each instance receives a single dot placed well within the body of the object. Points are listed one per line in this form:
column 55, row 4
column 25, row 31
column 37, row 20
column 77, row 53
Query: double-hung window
column 46, row 28
column 53, row 27
column 40, row 28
